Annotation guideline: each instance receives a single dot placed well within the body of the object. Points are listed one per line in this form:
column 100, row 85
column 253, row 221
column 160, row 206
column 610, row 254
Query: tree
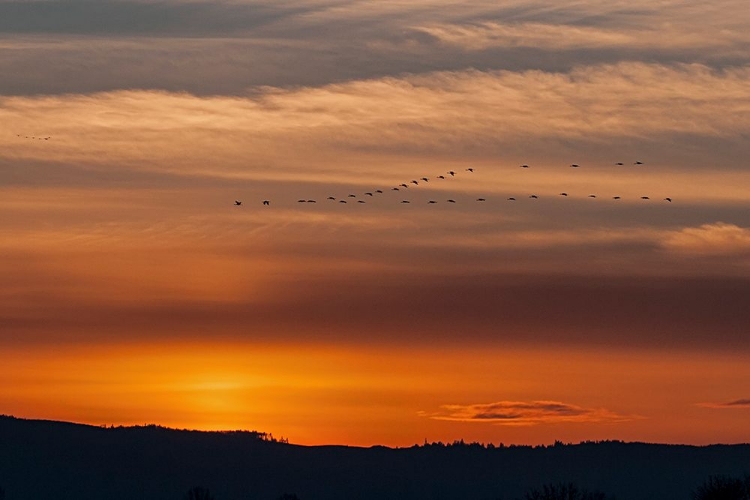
column 198, row 493
column 563, row 491
column 723, row 488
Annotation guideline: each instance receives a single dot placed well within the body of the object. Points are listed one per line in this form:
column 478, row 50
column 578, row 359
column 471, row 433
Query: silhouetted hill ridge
column 42, row 459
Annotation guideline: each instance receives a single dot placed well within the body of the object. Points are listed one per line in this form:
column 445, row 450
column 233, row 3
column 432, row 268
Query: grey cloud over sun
column 525, row 413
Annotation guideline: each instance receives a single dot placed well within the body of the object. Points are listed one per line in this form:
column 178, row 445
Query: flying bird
column 441, row 177
column 668, row 199
column 451, row 201
column 342, row 201
column 405, row 201
column 615, row 197
column 352, row 196
column 301, row 201
column 524, row 166
column 237, row 202
column 368, row 194
column 638, row 163
column 331, row 198
column 533, row 196
column 404, row 186
column 451, row 172
column 481, row 199
column 431, row 201
column 469, row 169
column 619, row 163
column 425, row 179
column 563, row 194
column 415, row 183
column 645, row 198
column 592, row 196
column 574, row 165
column 379, row 191
column 360, row 201
column 511, row 199
column 266, row 202
column 311, row 201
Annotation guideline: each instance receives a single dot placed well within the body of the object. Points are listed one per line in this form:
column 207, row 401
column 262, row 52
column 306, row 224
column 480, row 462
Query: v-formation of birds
column 451, row 173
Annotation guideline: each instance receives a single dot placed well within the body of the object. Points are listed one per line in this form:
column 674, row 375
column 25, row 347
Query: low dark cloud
column 525, row 413
column 738, row 403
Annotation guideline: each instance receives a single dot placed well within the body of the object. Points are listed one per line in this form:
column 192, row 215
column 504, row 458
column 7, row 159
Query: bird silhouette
column 645, row 198
column 266, row 202
column 405, row 201
column 511, row 199
column 416, row 183
column 311, row 201
column 469, row 169
column 352, row 196
column 360, row 201
column 404, row 186
column 615, row 197
column 563, row 194
column 237, row 202
column 368, row 194
column 394, row 189
column 619, row 163
column 451, row 172
column 574, row 165
column 431, row 201
column 301, row 201
column 441, row 177
column 592, row 196
column 638, row 163
column 331, row 198
column 668, row 199
column 342, row 201
column 524, row 166
column 380, row 191
column 425, row 179
column 481, row 199
column 451, row 201
column 533, row 196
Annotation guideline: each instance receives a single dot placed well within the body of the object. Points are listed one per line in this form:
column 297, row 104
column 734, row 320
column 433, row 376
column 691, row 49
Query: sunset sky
column 133, row 290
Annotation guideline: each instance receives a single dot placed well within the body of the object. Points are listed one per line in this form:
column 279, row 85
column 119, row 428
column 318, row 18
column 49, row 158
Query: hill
column 45, row 459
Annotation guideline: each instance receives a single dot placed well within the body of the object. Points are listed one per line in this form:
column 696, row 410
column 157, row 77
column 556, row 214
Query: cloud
column 738, row 403
column 526, row 413
column 709, row 239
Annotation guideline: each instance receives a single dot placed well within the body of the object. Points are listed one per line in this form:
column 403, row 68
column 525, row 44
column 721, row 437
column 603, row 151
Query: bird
column 405, row 201
column 395, row 189
column 431, row 201
column 331, row 198
column 451, row 172
column 533, row 196
column 645, row 198
column 441, row 177
column 380, row 191
column 301, row 201
column 311, row 201
column 451, row 201
column 469, row 169
column 360, row 201
column 668, row 199
column 563, row 194
column 619, row 163
column 615, row 197
column 352, row 196
column 416, row 183
column 404, row 186
column 342, row 201
column 237, row 202
column 266, row 202
column 511, row 199
column 524, row 166
column 368, row 194
column 592, row 196
column 481, row 199
column 425, row 179
column 574, row 165
column 638, row 163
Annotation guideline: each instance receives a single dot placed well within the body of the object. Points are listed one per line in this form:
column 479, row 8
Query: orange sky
column 133, row 290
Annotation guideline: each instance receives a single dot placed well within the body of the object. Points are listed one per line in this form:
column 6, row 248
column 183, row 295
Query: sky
column 134, row 290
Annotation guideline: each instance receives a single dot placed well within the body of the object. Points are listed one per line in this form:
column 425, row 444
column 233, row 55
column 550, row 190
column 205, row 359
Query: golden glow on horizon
column 318, row 394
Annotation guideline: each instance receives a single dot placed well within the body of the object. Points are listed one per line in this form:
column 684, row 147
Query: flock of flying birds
column 451, row 173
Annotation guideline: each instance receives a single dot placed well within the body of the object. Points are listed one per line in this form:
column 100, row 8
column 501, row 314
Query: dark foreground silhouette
column 42, row 460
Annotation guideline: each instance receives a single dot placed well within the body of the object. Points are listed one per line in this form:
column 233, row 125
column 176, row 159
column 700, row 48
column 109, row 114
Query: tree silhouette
column 723, row 488
column 198, row 493
column 563, row 491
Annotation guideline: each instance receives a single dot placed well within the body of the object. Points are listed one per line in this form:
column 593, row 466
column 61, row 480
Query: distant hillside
column 42, row 460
